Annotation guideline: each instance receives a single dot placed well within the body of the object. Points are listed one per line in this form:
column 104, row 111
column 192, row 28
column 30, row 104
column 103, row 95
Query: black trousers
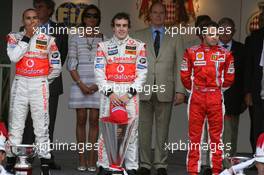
column 256, row 113
column 29, row 136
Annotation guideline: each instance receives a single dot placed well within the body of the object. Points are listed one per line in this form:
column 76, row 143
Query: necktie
column 157, row 43
column 225, row 46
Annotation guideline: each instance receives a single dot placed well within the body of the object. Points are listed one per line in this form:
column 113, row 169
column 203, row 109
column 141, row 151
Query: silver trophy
column 237, row 160
column 116, row 138
column 23, row 152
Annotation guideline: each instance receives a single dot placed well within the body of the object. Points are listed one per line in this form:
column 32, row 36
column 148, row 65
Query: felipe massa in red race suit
column 205, row 72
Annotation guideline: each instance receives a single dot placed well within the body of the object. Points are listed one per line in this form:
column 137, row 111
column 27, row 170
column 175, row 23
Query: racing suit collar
column 120, row 42
column 209, row 47
column 38, row 31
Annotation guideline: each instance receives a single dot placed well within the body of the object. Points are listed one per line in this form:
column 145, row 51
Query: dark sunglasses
column 91, row 15
column 31, row 17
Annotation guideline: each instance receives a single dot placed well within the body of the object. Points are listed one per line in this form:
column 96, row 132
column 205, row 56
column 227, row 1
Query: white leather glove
column 226, row 172
column 3, row 171
column 243, row 165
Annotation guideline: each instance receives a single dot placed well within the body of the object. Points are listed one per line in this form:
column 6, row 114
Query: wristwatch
column 78, row 82
column 108, row 92
column 130, row 95
column 131, row 92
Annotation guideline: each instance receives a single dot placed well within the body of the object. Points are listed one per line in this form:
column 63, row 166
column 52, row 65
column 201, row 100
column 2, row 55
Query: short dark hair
column 50, row 4
column 208, row 24
column 121, row 15
column 202, row 19
column 89, row 7
column 227, row 21
column 25, row 11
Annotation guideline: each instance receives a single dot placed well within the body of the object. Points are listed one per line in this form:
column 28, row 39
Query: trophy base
column 23, row 171
column 114, row 173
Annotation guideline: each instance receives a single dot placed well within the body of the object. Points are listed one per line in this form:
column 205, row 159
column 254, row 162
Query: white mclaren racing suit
column 3, row 171
column 121, row 67
column 37, row 63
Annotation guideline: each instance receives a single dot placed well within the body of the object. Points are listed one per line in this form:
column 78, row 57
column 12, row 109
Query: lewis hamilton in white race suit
column 37, row 62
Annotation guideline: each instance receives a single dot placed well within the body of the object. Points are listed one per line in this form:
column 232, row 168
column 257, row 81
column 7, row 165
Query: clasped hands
column 117, row 101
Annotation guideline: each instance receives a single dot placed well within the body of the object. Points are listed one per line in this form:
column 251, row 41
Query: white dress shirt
column 229, row 45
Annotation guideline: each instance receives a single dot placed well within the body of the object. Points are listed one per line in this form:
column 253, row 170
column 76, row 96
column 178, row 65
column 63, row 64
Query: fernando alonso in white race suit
column 120, row 72
column 37, row 63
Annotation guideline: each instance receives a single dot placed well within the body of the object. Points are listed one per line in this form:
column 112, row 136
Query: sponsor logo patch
column 200, row 56
column 218, row 57
column 143, row 60
column 131, row 42
column 112, row 47
column 231, row 69
column 140, row 66
column 41, row 46
column 120, row 68
column 98, row 60
column 199, row 63
column 41, row 42
column 221, row 58
column 55, row 61
column 184, row 66
column 130, row 52
column 131, row 47
column 55, row 55
column 112, row 52
column 99, row 66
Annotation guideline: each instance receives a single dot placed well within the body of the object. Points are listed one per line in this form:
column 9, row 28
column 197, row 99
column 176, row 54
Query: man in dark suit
column 45, row 9
column 253, row 77
column 234, row 96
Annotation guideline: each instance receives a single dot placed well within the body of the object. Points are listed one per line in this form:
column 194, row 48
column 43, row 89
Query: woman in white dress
column 84, row 92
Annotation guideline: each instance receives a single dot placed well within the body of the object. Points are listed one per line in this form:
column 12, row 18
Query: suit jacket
column 234, row 96
column 163, row 69
column 253, row 71
column 61, row 40
column 56, row 87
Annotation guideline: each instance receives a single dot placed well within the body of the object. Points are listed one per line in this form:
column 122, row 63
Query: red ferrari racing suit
column 37, row 63
column 205, row 72
column 120, row 67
